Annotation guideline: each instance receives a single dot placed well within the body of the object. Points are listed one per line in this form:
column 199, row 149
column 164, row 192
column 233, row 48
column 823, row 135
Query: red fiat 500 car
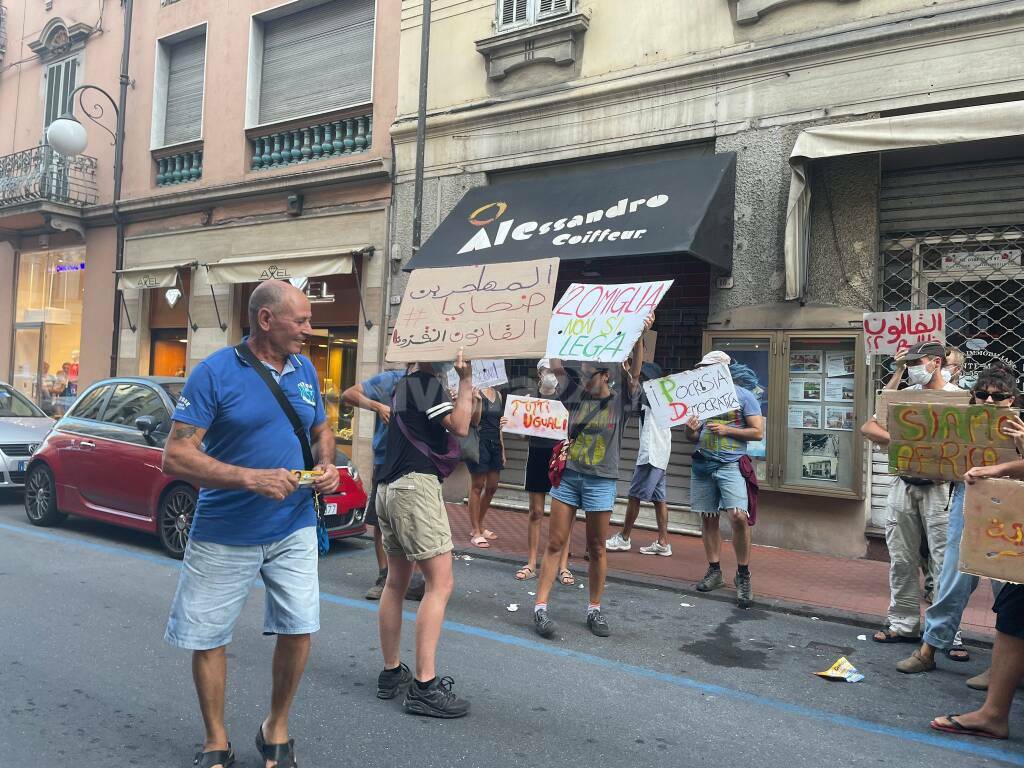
column 102, row 460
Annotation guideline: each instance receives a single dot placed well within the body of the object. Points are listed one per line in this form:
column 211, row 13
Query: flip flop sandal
column 480, row 541
column 490, row 535
column 958, row 653
column 526, row 573
column 283, row 754
column 961, row 730
column 566, row 578
column 888, row 636
column 222, row 757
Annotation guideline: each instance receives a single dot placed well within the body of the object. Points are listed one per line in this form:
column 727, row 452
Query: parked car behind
column 23, row 425
column 103, row 460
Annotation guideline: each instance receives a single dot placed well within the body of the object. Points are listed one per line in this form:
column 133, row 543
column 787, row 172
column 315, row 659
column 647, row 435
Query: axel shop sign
column 601, row 323
column 537, row 417
column 704, row 392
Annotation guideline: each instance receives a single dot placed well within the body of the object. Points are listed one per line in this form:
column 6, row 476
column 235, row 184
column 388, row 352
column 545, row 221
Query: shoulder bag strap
column 578, row 429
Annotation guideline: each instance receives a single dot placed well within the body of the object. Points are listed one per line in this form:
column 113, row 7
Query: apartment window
column 61, row 80
column 515, row 13
column 314, row 60
column 183, row 114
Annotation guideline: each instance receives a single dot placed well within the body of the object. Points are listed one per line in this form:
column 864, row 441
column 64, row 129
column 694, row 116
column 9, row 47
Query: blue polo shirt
column 246, row 427
column 381, row 388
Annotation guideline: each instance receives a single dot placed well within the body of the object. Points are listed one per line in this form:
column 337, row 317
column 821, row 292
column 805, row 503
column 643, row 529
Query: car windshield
column 13, row 405
column 173, row 389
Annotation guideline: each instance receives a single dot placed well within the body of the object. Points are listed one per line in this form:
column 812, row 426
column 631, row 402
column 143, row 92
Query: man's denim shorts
column 587, row 492
column 716, row 485
column 216, row 580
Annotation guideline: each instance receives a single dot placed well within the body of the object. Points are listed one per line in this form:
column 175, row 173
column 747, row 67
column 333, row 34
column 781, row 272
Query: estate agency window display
column 809, row 386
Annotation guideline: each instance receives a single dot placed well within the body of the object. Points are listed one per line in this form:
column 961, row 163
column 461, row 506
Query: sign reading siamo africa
column 508, row 229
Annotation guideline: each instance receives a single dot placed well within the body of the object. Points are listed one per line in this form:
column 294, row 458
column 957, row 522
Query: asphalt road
column 87, row 681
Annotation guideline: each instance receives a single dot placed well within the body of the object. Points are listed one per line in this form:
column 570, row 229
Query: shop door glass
column 168, row 352
column 752, row 370
column 26, row 378
column 333, row 354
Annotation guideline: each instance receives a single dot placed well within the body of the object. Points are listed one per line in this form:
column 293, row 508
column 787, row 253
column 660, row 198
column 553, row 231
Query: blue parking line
column 923, row 738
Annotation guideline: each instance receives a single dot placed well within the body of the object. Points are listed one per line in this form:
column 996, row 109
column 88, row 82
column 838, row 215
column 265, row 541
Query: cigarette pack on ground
column 307, row 476
column 843, row 671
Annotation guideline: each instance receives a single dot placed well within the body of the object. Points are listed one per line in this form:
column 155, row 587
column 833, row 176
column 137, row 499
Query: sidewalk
column 805, row 582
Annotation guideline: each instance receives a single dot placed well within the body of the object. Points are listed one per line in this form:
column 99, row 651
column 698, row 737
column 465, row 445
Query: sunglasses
column 982, row 395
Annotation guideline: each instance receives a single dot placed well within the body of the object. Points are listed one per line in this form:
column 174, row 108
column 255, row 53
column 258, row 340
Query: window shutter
column 513, row 12
column 61, row 80
column 551, row 7
column 186, row 66
column 317, row 60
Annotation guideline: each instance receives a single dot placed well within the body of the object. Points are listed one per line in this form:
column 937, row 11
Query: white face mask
column 548, row 382
column 947, row 375
column 919, row 374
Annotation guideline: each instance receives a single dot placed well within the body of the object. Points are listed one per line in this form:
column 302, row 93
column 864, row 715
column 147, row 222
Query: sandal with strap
column 958, row 652
column 222, row 757
column 490, row 535
column 481, row 542
column 282, row 754
column 566, row 578
column 526, row 573
column 888, row 636
column 956, row 727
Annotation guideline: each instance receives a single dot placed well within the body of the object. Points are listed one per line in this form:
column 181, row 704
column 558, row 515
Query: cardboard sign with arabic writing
column 942, row 442
column 537, row 417
column 992, row 543
column 887, row 397
column 886, row 333
column 704, row 392
column 602, row 322
column 492, row 311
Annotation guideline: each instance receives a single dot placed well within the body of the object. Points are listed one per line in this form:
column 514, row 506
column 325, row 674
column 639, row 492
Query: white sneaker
column 618, row 544
column 657, row 548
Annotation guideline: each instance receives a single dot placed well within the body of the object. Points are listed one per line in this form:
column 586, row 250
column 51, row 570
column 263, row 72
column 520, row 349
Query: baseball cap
column 714, row 358
column 925, row 349
column 543, row 363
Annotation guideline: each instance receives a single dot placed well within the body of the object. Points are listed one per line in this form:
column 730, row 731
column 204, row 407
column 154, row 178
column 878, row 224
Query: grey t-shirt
column 596, row 449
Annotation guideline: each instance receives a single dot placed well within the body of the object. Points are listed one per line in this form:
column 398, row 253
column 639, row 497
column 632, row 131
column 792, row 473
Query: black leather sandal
column 223, row 757
column 282, row 754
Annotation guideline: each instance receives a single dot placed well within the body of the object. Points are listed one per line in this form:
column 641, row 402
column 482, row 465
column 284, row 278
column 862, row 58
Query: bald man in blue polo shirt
column 231, row 438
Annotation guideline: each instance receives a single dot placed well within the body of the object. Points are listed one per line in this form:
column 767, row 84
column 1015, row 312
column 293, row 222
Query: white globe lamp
column 67, row 136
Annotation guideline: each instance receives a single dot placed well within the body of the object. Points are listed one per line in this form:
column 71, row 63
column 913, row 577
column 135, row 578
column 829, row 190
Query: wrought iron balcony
column 307, row 144
column 41, row 174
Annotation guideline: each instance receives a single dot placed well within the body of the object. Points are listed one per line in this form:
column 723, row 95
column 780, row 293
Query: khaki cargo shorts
column 413, row 518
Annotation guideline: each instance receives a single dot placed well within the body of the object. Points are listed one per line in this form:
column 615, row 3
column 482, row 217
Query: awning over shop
column 151, row 275
column 948, row 126
column 256, row 268
column 680, row 206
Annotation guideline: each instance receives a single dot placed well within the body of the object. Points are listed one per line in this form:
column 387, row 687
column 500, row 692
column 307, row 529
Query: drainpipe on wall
column 122, row 103
column 421, row 130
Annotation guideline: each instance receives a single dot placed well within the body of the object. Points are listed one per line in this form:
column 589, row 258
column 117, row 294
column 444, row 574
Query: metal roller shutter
column 317, row 60
column 185, row 72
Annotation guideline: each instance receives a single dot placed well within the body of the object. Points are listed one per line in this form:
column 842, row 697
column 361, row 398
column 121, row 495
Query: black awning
column 667, row 207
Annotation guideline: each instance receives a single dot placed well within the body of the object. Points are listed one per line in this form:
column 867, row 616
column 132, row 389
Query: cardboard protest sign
column 536, row 417
column 486, row 373
column 493, row 311
column 601, row 323
column 992, row 543
column 942, row 442
column 887, row 397
column 704, row 392
column 886, row 333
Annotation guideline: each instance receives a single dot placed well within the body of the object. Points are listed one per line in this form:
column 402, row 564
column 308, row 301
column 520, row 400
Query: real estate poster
column 805, row 361
column 805, row 388
column 840, row 417
column 805, row 417
column 820, row 456
column 840, row 390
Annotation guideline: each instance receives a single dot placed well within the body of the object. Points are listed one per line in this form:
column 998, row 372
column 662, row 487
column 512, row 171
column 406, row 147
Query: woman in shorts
column 488, row 407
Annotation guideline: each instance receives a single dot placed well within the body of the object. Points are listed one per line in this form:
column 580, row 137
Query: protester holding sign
column 718, row 485
column 599, row 414
column 951, row 371
column 485, row 473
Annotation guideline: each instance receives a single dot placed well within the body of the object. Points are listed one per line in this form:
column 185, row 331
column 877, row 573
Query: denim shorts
column 716, row 485
column 216, row 580
column 587, row 492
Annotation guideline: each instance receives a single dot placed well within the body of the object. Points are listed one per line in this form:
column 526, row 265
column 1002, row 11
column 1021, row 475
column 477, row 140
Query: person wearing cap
column 916, row 508
column 717, row 485
column 648, row 478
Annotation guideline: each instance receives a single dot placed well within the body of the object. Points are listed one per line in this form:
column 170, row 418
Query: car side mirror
column 145, row 425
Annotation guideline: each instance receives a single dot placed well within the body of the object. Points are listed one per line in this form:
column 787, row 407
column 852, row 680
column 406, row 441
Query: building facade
column 878, row 161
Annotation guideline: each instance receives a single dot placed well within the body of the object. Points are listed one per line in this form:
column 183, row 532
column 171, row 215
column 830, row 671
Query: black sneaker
column 374, row 592
column 417, row 587
column 390, row 681
column 598, row 624
column 543, row 624
column 712, row 580
column 435, row 701
column 744, row 592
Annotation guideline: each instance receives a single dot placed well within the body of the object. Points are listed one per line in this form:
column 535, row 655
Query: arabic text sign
column 486, row 373
column 992, row 543
column 943, row 441
column 704, row 392
column 536, row 417
column 601, row 322
column 492, row 311
column 886, row 333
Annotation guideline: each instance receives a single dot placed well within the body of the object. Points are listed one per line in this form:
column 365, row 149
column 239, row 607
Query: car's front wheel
column 41, row 497
column 177, row 508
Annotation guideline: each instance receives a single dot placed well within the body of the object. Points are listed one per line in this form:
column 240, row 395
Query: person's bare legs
column 378, row 548
column 210, row 673
column 563, row 561
column 290, row 655
column 661, row 513
column 740, row 536
column 597, row 532
column 1007, row 670
column 430, row 617
column 559, row 526
column 533, row 527
column 632, row 512
column 711, row 535
column 476, row 490
column 389, row 615
column 487, row 495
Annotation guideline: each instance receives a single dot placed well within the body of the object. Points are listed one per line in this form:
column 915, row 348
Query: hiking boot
column 543, row 624
column 598, row 624
column 390, row 681
column 744, row 592
column 374, row 592
column 618, row 544
column 437, row 700
column 713, row 579
column 416, row 588
column 657, row 548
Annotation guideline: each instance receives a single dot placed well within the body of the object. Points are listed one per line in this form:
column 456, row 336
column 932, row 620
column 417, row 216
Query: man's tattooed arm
column 184, row 457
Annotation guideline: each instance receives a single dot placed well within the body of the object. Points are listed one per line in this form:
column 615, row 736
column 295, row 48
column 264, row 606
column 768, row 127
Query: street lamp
column 67, row 136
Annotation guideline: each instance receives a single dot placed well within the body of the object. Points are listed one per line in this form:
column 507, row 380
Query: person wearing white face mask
column 917, row 509
column 951, row 368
